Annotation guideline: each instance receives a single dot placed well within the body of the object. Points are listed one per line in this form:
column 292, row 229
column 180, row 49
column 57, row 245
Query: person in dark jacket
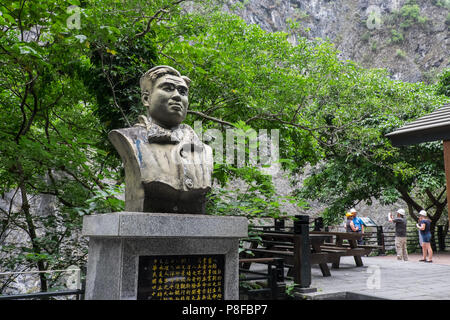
column 400, row 234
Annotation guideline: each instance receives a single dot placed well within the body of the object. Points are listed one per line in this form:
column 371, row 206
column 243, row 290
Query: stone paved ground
column 385, row 277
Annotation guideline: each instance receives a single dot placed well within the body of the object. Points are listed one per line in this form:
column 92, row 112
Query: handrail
column 45, row 271
column 43, row 294
column 73, row 283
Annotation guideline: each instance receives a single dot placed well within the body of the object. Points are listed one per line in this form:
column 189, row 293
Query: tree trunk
column 413, row 205
column 31, row 229
column 433, row 238
column 434, row 220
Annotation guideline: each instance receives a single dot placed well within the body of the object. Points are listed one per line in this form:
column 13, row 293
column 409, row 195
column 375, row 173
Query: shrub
column 400, row 53
column 373, row 46
column 443, row 85
column 366, row 36
column 396, row 36
column 410, row 14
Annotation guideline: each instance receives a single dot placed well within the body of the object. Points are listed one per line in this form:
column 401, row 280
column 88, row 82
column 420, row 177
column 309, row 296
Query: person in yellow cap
column 349, row 227
column 358, row 225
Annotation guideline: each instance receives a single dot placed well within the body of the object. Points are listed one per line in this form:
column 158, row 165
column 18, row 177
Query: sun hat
column 401, row 211
column 353, row 210
column 423, row 213
column 348, row 214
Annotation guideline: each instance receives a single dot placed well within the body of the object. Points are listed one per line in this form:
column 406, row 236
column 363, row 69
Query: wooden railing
column 380, row 236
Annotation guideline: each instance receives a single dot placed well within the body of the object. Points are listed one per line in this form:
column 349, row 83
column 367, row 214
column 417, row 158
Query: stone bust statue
column 167, row 168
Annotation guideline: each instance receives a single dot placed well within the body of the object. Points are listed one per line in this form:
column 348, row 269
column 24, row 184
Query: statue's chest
column 183, row 165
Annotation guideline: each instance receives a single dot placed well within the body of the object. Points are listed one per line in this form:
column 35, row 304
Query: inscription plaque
column 190, row 277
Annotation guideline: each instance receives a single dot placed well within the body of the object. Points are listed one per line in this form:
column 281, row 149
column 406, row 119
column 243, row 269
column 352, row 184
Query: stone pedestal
column 118, row 240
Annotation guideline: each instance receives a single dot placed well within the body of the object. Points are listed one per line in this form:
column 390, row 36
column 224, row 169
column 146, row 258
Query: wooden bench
column 287, row 246
column 335, row 249
column 370, row 247
column 320, row 259
column 274, row 277
column 335, row 253
column 339, row 248
column 285, row 241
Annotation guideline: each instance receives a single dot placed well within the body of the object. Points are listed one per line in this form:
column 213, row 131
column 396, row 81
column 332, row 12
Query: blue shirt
column 427, row 227
column 358, row 223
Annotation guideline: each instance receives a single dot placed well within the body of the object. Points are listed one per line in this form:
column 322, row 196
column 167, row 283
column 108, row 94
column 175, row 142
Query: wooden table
column 317, row 241
column 289, row 246
column 352, row 239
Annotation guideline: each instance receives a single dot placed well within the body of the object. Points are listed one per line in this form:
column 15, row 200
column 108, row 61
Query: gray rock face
column 364, row 31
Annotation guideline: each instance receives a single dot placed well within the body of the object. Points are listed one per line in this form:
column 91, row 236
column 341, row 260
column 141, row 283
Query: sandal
column 422, row 260
column 429, row 261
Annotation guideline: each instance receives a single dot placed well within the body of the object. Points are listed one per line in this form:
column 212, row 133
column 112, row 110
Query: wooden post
column 279, row 224
column 380, row 240
column 441, row 237
column 302, row 255
column 447, row 172
column 318, row 224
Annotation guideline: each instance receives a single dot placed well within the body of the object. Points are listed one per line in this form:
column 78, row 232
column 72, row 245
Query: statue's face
column 168, row 101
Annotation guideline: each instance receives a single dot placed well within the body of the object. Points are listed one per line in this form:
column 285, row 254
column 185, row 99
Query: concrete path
column 386, row 278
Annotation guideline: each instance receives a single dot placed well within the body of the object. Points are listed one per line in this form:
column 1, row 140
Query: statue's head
column 164, row 92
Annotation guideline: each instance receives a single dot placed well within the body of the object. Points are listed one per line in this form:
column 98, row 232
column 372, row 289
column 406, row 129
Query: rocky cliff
column 410, row 38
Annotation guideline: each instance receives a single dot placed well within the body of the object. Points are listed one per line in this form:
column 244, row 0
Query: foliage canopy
column 63, row 88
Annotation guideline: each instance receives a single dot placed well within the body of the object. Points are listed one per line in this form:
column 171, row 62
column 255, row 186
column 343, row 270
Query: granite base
column 117, row 240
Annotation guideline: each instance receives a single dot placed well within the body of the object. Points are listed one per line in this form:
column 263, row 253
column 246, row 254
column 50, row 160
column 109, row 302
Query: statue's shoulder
column 125, row 139
column 133, row 133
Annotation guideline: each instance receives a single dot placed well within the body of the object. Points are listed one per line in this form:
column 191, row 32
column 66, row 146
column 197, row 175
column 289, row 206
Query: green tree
column 360, row 164
column 50, row 139
column 68, row 76
column 243, row 75
column 64, row 66
column 443, row 85
column 409, row 14
column 328, row 111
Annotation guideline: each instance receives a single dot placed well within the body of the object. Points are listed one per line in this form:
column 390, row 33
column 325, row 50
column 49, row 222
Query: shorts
column 426, row 237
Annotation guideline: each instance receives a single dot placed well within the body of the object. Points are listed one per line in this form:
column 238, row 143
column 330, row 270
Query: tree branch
column 161, row 11
column 432, row 198
column 223, row 122
column 147, row 29
column 407, row 198
column 24, row 115
column 111, row 85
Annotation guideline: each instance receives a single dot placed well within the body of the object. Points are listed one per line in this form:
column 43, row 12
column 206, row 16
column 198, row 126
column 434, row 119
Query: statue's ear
column 187, row 80
column 145, row 98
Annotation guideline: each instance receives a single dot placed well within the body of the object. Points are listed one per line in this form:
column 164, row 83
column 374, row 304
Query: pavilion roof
column 432, row 127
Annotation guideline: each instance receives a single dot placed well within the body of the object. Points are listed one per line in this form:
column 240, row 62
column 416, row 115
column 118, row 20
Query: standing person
column 349, row 227
column 425, row 230
column 357, row 223
column 420, row 237
column 400, row 234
